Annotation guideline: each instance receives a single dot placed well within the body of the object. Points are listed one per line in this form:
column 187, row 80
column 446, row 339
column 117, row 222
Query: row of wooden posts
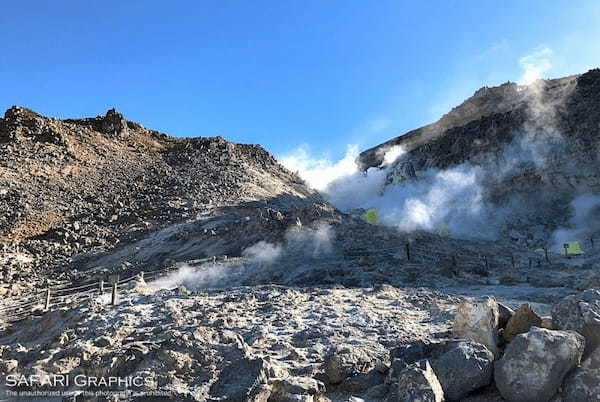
column 114, row 281
column 62, row 291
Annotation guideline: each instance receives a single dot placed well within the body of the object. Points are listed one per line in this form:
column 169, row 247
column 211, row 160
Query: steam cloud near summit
column 451, row 197
column 455, row 199
column 442, row 200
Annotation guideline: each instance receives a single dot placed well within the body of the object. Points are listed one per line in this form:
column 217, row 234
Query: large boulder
column 418, row 382
column 362, row 382
column 521, row 321
column 478, row 320
column 580, row 313
column 345, row 361
column 465, row 367
column 534, row 364
column 245, row 379
column 582, row 385
column 295, row 389
column 404, row 355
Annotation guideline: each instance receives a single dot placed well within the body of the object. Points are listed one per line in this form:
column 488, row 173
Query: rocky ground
column 227, row 345
column 326, row 343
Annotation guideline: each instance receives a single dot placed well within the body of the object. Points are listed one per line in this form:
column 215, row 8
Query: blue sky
column 320, row 74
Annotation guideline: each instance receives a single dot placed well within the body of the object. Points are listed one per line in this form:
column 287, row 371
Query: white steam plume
column 259, row 266
column 451, row 200
column 319, row 172
column 585, row 211
column 263, row 253
column 535, row 65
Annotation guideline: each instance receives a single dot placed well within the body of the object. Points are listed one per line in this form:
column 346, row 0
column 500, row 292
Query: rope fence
column 65, row 294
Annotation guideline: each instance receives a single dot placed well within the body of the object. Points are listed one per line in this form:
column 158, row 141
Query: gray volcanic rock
column 593, row 360
column 580, row 313
column 582, row 385
column 478, row 320
column 114, row 123
column 534, row 364
column 343, row 361
column 465, row 367
column 296, row 388
column 418, row 382
column 485, row 122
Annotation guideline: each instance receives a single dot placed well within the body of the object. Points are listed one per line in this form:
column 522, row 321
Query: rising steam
column 260, row 262
column 466, row 200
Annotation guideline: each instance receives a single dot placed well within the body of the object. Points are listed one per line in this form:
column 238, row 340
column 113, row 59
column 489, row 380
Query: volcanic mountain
column 232, row 280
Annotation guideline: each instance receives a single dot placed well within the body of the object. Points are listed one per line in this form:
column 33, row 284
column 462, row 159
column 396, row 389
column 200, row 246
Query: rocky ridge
column 78, row 185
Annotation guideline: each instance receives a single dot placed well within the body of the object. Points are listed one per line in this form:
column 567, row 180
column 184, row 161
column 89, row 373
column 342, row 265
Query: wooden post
column 566, row 246
column 214, row 259
column 530, row 262
column 47, row 306
column 408, row 251
column 592, row 241
column 512, row 261
column 113, row 298
column 487, row 267
column 141, row 276
column 101, row 287
column 546, row 252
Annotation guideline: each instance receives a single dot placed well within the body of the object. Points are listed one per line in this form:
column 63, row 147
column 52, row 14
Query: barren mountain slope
column 69, row 186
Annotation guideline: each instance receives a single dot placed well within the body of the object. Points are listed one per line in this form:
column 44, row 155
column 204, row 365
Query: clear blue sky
column 281, row 73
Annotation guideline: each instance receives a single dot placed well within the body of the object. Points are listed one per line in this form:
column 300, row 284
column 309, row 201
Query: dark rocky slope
column 538, row 143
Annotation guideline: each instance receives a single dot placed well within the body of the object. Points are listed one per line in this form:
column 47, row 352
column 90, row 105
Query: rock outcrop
column 530, row 148
column 68, row 187
column 478, row 320
column 464, row 368
column 418, row 382
column 580, row 313
column 534, row 364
